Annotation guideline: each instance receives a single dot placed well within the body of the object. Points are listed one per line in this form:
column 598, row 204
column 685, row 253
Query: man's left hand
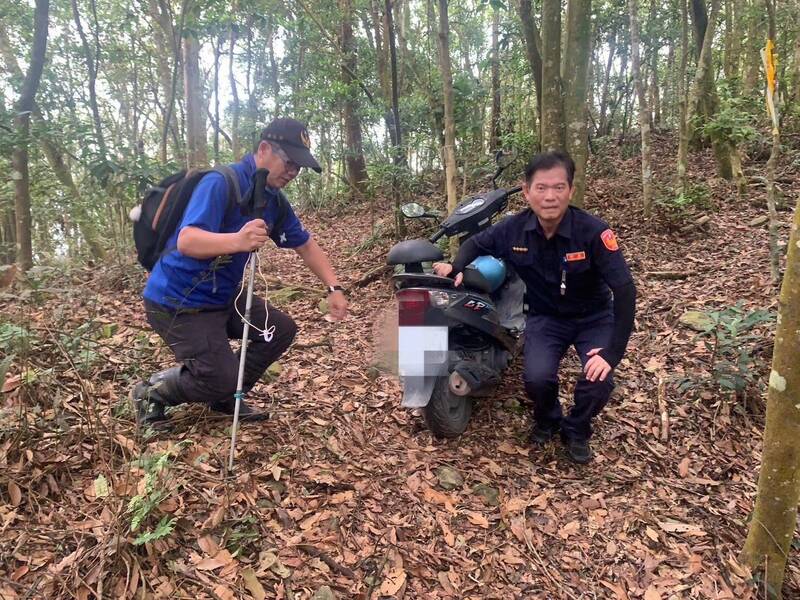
column 596, row 367
column 337, row 305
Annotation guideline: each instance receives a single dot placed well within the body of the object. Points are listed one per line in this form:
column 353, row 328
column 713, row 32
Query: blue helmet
column 492, row 269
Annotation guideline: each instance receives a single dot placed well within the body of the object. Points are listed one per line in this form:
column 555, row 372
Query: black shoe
column 540, row 436
column 149, row 410
column 578, row 450
column 246, row 412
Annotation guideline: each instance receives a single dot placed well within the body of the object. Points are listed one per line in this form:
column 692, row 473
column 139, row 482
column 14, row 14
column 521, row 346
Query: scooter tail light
column 412, row 305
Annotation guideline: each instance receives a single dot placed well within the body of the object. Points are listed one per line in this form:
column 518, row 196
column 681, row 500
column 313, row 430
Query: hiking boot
column 246, row 412
column 540, row 435
column 578, row 450
column 148, row 408
column 150, row 398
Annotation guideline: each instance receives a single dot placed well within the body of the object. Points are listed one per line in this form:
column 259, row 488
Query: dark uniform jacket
column 573, row 274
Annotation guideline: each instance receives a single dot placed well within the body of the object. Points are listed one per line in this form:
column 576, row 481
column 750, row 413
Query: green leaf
column 163, row 529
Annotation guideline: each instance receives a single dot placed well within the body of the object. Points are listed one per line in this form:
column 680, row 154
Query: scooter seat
column 414, row 251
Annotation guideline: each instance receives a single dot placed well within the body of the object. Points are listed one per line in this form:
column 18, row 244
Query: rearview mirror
column 412, row 210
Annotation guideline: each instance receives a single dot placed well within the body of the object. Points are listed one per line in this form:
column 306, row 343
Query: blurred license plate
column 422, row 351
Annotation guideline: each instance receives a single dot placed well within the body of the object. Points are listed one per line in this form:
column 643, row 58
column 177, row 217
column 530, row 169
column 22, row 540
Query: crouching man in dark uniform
column 572, row 266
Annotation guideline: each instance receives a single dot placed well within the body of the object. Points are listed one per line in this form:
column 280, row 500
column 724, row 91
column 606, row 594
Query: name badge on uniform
column 573, row 256
column 519, row 249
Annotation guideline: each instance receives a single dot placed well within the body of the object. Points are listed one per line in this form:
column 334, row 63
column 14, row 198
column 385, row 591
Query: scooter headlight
column 439, row 299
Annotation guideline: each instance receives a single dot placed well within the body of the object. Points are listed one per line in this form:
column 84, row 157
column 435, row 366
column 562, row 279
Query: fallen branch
column 667, row 274
column 662, row 408
column 372, row 275
column 699, row 223
column 326, row 558
column 325, row 342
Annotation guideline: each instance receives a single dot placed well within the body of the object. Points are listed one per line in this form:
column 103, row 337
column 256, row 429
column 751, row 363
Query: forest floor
column 343, row 488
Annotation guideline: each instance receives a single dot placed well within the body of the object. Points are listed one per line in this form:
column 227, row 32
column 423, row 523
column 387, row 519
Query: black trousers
column 546, row 341
column 199, row 339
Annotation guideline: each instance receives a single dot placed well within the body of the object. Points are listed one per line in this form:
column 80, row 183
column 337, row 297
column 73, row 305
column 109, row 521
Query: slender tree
column 774, row 517
column 533, row 48
column 449, row 115
column 19, row 157
column 197, row 148
column 494, row 122
column 683, row 119
column 644, row 110
column 356, row 167
column 552, row 124
column 575, row 79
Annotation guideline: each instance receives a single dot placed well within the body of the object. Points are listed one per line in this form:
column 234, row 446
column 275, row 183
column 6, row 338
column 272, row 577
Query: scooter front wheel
column 446, row 413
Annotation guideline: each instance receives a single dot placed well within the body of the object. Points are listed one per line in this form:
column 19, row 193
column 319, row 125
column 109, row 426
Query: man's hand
column 596, row 367
column 253, row 235
column 337, row 305
column 444, row 270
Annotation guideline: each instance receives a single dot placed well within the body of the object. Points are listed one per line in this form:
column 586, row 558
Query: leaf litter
column 339, row 494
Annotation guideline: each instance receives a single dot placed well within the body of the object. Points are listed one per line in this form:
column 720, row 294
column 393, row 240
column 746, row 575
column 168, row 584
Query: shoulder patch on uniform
column 609, row 240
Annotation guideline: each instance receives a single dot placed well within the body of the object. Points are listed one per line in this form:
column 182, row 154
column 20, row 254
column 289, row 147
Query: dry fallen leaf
column 221, row 559
column 569, row 529
column 392, row 582
column 477, row 519
column 253, row 585
column 14, row 493
column 652, row 593
column 449, row 538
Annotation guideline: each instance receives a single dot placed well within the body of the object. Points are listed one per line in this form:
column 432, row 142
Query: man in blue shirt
column 192, row 295
column 579, row 292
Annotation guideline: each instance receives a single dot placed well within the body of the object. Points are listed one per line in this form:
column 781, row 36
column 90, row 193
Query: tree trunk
column 19, row 156
column 796, row 76
column 274, row 73
column 727, row 62
column 236, row 146
column 55, row 158
column 197, row 151
column 397, row 150
column 577, row 53
column 683, row 123
column 644, row 111
column 703, row 98
column 755, row 39
column 217, row 53
column 91, row 67
column 655, row 93
column 775, row 515
column 533, row 48
column 494, row 124
column 449, row 115
column 354, row 153
column 164, row 37
column 552, row 125
column 612, row 48
column 706, row 105
column 774, row 252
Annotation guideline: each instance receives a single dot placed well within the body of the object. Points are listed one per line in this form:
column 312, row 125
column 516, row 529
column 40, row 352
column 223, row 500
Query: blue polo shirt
column 179, row 281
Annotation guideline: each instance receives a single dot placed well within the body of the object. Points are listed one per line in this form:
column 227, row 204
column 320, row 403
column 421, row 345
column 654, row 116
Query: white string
column 269, row 331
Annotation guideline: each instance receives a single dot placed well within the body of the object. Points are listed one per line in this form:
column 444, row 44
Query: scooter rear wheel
column 447, row 414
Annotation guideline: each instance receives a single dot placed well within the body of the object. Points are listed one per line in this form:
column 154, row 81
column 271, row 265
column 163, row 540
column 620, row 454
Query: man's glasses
column 290, row 164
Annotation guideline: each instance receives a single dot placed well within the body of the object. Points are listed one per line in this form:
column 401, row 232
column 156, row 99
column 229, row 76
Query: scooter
column 454, row 343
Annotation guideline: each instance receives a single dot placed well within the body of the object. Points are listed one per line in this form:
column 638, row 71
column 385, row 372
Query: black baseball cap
column 292, row 136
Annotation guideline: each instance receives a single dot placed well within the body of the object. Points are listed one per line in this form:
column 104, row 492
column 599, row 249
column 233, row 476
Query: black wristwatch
column 335, row 288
